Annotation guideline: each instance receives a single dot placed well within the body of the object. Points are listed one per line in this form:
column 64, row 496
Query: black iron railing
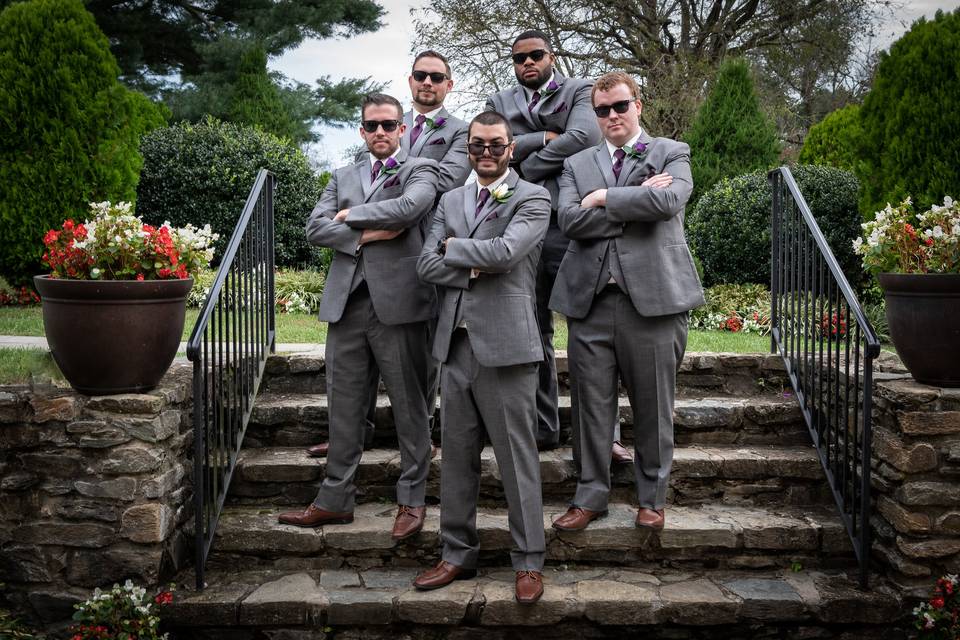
column 234, row 334
column 828, row 347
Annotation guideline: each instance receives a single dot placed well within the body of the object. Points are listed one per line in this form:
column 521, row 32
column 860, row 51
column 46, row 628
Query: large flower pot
column 113, row 336
column 923, row 311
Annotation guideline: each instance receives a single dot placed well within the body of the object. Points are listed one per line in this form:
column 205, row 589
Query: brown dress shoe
column 650, row 518
column 529, row 586
column 409, row 521
column 319, row 450
column 315, row 517
column 576, row 519
column 620, row 453
column 442, row 575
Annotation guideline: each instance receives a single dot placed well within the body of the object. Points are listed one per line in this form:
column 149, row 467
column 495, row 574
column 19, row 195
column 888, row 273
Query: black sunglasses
column 496, row 150
column 370, row 126
column 435, row 76
column 603, row 110
column 536, row 55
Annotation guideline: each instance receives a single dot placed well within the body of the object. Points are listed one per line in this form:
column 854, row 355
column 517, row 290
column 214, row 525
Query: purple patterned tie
column 376, row 171
column 533, row 101
column 417, row 130
column 481, row 200
column 619, row 154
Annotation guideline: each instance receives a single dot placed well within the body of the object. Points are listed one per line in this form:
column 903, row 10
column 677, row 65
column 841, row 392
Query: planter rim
column 52, row 289
column 947, row 284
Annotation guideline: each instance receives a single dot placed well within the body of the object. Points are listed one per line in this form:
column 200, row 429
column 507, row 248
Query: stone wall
column 92, row 491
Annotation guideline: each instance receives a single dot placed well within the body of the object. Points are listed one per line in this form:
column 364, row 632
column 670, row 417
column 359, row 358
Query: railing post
column 775, row 257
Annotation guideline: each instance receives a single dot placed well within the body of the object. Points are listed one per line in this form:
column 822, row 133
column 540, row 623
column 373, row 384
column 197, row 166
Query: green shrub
column 729, row 229
column 734, row 307
column 833, row 141
column 202, row 173
column 730, row 135
column 295, row 291
column 69, row 130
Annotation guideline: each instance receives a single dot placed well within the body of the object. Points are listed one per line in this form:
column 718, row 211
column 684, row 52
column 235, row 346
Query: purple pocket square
column 492, row 216
column 437, row 141
column 560, row 109
column 392, row 182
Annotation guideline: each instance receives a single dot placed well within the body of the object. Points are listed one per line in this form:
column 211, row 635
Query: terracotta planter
column 113, row 336
column 923, row 311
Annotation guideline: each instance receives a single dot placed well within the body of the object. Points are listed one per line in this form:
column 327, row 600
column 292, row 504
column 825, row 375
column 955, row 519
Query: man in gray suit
column 626, row 284
column 378, row 310
column 551, row 118
column 431, row 133
column 482, row 252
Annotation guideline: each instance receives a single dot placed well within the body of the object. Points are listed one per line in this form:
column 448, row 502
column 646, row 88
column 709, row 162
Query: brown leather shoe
column 441, row 575
column 529, row 586
column 409, row 521
column 315, row 517
column 319, row 450
column 620, row 453
column 576, row 519
column 650, row 518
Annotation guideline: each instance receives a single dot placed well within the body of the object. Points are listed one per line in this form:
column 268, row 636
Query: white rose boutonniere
column 502, row 193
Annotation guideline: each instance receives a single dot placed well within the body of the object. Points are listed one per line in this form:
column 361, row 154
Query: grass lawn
column 17, row 365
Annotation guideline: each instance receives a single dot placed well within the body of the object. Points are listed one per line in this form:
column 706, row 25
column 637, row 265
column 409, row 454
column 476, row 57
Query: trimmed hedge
column 834, row 140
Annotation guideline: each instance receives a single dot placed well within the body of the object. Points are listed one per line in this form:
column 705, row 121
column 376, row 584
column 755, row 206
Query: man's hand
column 597, row 198
column 341, row 215
column 475, row 273
column 550, row 135
column 376, row 235
column 658, row 181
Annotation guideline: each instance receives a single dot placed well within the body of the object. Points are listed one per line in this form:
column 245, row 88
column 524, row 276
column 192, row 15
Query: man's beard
column 534, row 83
column 501, row 167
column 427, row 99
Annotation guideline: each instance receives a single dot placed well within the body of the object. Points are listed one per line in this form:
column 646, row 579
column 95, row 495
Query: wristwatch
column 442, row 246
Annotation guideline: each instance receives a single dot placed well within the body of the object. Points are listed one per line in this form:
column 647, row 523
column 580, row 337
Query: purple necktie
column 618, row 163
column 533, row 101
column 376, row 171
column 417, row 130
column 481, row 200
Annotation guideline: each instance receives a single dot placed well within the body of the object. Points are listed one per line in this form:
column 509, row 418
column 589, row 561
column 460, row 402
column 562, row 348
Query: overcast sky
column 385, row 56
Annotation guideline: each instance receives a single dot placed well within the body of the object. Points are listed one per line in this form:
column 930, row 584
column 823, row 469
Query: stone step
column 603, row 602
column 706, row 536
column 299, row 419
column 758, row 475
column 718, row 373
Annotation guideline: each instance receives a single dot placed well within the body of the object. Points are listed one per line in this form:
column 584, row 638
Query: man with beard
column 378, row 310
column 482, row 253
column 551, row 118
column 431, row 132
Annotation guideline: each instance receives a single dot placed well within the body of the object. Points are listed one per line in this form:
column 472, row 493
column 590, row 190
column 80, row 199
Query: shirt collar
column 529, row 92
column 432, row 115
column 632, row 141
column 493, row 185
column 373, row 159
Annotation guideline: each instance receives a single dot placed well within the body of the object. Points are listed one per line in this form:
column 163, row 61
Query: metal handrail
column 813, row 313
column 234, row 334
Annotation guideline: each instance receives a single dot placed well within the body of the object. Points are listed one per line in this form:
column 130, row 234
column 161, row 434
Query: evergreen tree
column 69, row 131
column 834, row 140
column 730, row 135
column 256, row 99
column 910, row 119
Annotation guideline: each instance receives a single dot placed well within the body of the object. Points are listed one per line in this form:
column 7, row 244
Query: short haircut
column 430, row 53
column 379, row 99
column 609, row 80
column 530, row 34
column 490, row 118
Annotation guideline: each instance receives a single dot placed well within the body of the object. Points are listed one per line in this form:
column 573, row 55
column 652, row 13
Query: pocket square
column 492, row 216
column 560, row 109
column 392, row 182
column 437, row 141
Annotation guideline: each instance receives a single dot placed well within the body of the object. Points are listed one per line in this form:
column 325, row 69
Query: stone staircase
column 753, row 546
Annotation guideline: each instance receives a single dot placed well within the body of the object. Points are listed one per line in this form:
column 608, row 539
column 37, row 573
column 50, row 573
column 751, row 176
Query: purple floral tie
column 481, row 200
column 618, row 155
column 376, row 171
column 417, row 130
column 533, row 101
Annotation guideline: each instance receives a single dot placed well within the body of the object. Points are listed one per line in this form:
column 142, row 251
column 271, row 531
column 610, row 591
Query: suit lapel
column 520, row 98
column 427, row 133
column 559, row 79
column 630, row 164
column 602, row 156
column 405, row 139
column 400, row 157
column 491, row 204
column 363, row 169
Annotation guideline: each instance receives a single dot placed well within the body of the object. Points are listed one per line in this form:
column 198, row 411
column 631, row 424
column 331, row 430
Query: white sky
column 385, row 56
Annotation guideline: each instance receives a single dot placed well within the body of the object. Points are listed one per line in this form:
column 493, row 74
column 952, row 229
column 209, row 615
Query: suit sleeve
column 418, row 194
column 455, row 165
column 526, row 230
column 430, row 267
column 576, row 222
column 643, row 204
column 582, row 131
column 323, row 230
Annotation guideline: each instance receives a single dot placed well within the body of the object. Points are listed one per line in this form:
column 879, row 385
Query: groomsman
column 482, row 253
column 551, row 118
column 377, row 310
column 626, row 285
column 431, row 132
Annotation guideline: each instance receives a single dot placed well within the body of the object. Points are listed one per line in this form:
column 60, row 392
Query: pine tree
column 730, row 135
column 835, row 140
column 256, row 99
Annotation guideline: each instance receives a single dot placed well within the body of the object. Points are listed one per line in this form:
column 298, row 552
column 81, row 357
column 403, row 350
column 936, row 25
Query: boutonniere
column 551, row 89
column 390, row 166
column 639, row 150
column 436, row 124
column 502, row 193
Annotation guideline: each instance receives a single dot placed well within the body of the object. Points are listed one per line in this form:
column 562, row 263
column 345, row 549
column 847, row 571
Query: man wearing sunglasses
column 551, row 119
column 626, row 286
column 482, row 253
column 377, row 310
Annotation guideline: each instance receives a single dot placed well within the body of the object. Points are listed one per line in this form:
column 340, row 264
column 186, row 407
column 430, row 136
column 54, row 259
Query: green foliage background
column 834, row 140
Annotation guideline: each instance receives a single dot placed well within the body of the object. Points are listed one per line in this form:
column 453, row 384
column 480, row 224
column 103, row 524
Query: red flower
column 937, row 603
column 164, row 597
column 910, row 230
column 51, row 237
column 164, row 272
column 140, row 276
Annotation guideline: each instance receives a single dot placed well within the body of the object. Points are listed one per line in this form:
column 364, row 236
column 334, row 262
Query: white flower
column 937, row 232
column 857, row 245
column 500, row 192
column 947, row 201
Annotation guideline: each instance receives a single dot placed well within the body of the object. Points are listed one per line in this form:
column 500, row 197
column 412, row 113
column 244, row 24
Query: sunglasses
column 435, row 76
column 603, row 110
column 370, row 126
column 536, row 55
column 496, row 150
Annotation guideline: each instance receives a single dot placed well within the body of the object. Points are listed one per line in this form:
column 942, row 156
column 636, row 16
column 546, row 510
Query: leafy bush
column 11, row 628
column 202, row 173
column 729, row 229
column 833, row 141
column 69, row 130
column 295, row 291
column 734, row 307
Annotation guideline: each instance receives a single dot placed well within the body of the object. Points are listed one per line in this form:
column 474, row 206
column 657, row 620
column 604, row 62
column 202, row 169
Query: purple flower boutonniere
column 638, row 150
column 436, row 124
column 551, row 89
column 390, row 166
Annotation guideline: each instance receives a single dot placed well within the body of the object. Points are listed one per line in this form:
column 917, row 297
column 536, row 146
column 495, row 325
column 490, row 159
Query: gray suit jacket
column 568, row 112
column 392, row 202
column 446, row 144
column 499, row 306
column 646, row 225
